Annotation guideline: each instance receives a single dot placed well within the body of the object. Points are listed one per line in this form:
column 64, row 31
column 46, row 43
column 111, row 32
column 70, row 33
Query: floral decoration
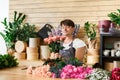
column 99, row 74
column 42, row 71
column 115, row 74
column 54, row 43
column 54, row 40
column 71, row 71
column 56, row 65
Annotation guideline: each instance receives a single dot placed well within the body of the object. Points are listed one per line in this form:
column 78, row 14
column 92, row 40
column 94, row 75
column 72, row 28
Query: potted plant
column 11, row 29
column 115, row 17
column 92, row 50
column 17, row 30
column 91, row 34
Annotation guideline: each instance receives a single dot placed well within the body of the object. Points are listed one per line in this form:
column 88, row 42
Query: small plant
column 7, row 61
column 115, row 17
column 90, row 30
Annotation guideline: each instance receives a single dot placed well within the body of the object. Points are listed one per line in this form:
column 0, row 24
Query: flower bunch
column 99, row 74
column 54, row 43
column 71, row 71
column 42, row 71
column 54, row 40
column 115, row 75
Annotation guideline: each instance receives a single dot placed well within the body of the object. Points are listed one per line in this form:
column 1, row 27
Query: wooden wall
column 41, row 12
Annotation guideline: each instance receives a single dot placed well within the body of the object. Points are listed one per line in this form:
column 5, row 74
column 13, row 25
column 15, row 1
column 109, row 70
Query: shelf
column 110, row 57
column 109, row 35
column 107, row 42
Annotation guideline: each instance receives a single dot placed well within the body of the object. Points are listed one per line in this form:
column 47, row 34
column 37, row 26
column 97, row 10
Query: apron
column 67, row 54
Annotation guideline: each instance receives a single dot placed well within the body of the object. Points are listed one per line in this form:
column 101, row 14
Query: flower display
column 42, row 71
column 71, row 71
column 54, row 40
column 54, row 43
column 99, row 74
column 115, row 74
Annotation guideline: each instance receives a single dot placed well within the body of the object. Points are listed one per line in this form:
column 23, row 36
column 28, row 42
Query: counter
column 19, row 73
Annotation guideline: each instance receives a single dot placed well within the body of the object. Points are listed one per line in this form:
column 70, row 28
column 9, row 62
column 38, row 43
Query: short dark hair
column 67, row 22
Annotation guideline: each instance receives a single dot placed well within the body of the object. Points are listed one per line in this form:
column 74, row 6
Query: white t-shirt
column 77, row 43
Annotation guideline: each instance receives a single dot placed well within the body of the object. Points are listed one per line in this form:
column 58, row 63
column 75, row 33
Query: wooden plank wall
column 41, row 12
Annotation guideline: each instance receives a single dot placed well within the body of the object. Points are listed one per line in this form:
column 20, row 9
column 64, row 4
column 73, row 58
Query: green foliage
column 90, row 30
column 7, row 61
column 57, row 64
column 26, row 32
column 115, row 17
column 17, row 30
column 55, row 46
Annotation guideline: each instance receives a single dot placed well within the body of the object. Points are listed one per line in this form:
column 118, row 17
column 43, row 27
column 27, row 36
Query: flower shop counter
column 19, row 72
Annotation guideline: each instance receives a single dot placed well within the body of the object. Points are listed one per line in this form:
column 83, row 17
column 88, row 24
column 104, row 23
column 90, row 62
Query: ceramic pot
column 105, row 24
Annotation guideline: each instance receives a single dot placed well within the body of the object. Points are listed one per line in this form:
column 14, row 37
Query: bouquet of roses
column 115, row 75
column 54, row 42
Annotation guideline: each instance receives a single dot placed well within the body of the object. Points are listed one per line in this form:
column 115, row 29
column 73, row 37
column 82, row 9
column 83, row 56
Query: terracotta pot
column 105, row 24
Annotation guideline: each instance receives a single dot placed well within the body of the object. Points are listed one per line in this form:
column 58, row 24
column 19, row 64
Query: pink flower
column 46, row 40
column 29, row 70
column 54, row 43
column 42, row 71
column 70, row 71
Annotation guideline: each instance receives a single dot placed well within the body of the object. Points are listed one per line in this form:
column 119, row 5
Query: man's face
column 67, row 30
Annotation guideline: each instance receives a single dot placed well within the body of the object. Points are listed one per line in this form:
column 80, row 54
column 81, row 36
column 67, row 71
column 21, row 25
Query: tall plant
column 12, row 29
column 91, row 34
column 17, row 30
column 90, row 30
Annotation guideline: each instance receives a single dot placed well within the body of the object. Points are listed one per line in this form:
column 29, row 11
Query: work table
column 19, row 72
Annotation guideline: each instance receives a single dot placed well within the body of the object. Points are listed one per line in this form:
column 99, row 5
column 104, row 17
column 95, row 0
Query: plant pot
column 92, row 59
column 105, row 24
column 93, row 51
column 92, row 44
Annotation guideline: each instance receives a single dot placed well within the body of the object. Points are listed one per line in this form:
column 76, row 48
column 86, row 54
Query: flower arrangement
column 115, row 74
column 99, row 74
column 54, row 43
column 42, row 71
column 54, row 40
column 71, row 71
column 56, row 65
